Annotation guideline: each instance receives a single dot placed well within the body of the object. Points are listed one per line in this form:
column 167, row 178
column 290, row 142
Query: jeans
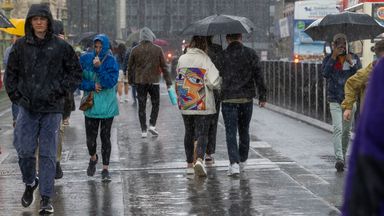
column 142, row 92
column 211, row 147
column 196, row 128
column 134, row 93
column 91, row 129
column 15, row 111
column 33, row 128
column 341, row 131
column 237, row 117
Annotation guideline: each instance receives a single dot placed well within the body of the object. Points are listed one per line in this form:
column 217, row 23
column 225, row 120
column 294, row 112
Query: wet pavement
column 290, row 170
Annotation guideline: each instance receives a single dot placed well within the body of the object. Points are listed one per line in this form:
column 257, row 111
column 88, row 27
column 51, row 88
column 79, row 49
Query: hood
column 146, row 34
column 58, row 27
column 105, row 41
column 38, row 10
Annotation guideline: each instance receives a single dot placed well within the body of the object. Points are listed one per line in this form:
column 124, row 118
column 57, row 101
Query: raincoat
column 40, row 72
column 336, row 75
column 364, row 192
column 196, row 78
column 355, row 87
column 105, row 102
column 146, row 61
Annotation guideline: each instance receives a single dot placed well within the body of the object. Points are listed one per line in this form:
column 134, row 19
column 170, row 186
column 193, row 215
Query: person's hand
column 96, row 62
column 98, row 87
column 347, row 114
column 338, row 51
column 61, row 36
column 349, row 59
column 262, row 104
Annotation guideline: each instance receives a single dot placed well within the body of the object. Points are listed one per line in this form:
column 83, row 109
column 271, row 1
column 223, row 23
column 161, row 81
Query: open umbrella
column 161, row 42
column 85, row 38
column 219, row 24
column 18, row 28
column 356, row 26
column 5, row 22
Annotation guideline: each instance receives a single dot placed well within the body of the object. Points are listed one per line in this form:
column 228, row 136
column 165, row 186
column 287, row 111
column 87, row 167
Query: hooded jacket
column 40, row 72
column 104, row 101
column 146, row 61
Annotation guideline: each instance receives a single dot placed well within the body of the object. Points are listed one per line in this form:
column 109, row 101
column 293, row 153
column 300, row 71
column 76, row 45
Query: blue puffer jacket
column 336, row 77
column 105, row 101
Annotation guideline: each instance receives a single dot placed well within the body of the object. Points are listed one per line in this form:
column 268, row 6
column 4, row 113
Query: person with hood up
column 196, row 79
column 100, row 74
column 337, row 67
column 42, row 68
column 146, row 63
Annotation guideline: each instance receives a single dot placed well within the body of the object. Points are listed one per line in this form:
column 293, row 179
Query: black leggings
column 92, row 129
column 196, row 128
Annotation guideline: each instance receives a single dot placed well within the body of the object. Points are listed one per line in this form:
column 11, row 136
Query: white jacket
column 196, row 78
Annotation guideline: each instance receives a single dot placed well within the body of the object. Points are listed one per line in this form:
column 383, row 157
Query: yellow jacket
column 355, row 87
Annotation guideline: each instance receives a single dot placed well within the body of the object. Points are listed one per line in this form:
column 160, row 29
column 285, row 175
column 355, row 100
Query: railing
column 299, row 87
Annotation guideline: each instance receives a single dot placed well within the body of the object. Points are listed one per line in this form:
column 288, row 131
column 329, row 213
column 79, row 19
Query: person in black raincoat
column 41, row 70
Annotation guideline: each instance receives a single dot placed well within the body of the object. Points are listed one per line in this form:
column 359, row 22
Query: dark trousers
column 237, row 117
column 91, row 129
column 196, row 128
column 212, row 131
column 142, row 92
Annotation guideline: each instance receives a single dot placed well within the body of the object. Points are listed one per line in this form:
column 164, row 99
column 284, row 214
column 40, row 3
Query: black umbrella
column 356, row 26
column 5, row 22
column 218, row 25
column 85, row 38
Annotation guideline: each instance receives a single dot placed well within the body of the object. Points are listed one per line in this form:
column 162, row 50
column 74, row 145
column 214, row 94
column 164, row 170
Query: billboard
column 304, row 48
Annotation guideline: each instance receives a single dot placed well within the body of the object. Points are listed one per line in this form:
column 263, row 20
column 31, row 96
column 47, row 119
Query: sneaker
column 105, row 177
column 59, row 171
column 126, row 100
column 233, row 169
column 339, row 165
column 144, row 134
column 242, row 166
column 66, row 122
column 209, row 159
column 121, row 100
column 190, row 171
column 199, row 168
column 46, row 206
column 92, row 166
column 28, row 198
column 153, row 130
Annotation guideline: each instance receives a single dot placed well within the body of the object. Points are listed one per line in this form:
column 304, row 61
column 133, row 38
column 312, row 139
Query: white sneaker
column 121, row 100
column 242, row 166
column 126, row 100
column 199, row 169
column 153, row 130
column 233, row 169
column 144, row 134
column 190, row 171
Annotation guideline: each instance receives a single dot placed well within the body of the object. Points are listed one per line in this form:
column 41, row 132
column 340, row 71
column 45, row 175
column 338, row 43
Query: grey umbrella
column 356, row 26
column 5, row 22
column 218, row 25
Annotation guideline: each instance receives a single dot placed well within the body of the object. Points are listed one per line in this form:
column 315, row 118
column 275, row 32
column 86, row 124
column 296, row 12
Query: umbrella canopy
column 85, row 38
column 18, row 28
column 161, row 42
column 356, row 26
column 220, row 24
column 5, row 22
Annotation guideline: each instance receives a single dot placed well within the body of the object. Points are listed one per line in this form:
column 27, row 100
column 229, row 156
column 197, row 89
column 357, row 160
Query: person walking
column 355, row 86
column 41, row 70
column 213, row 52
column 146, row 63
column 337, row 67
column 363, row 194
column 196, row 78
column 119, row 53
column 125, row 68
column 100, row 74
column 239, row 68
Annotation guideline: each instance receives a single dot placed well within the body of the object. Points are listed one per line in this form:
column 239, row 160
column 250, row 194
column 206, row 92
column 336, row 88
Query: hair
column 233, row 37
column 379, row 47
column 199, row 42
